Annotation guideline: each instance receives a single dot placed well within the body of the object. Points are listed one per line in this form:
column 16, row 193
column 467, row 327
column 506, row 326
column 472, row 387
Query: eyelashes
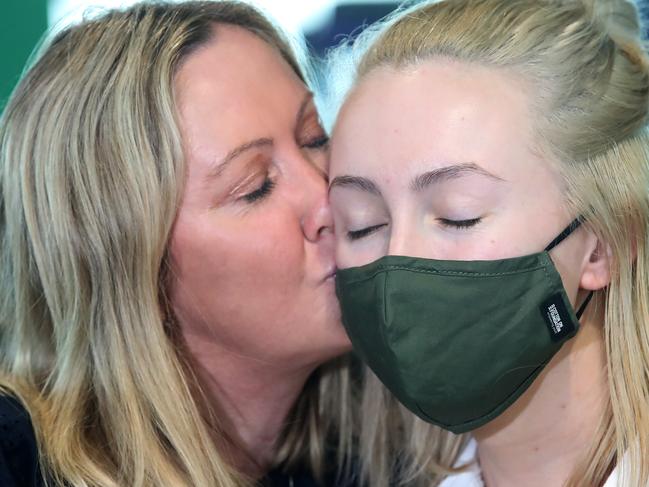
column 364, row 232
column 321, row 142
column 458, row 224
column 462, row 224
column 267, row 187
column 260, row 193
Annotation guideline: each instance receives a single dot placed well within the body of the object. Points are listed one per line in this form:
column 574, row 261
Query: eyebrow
column 221, row 165
column 420, row 182
column 447, row 173
column 355, row 182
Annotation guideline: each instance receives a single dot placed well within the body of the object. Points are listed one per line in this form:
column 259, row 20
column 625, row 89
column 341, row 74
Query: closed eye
column 317, row 143
column 260, row 193
column 462, row 224
column 364, row 232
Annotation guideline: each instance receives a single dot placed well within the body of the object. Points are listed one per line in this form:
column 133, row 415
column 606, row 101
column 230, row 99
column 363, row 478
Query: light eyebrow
column 447, row 173
column 220, row 166
column 355, row 182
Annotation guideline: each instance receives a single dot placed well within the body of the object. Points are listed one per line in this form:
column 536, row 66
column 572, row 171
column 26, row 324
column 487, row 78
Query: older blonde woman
column 489, row 174
column 166, row 277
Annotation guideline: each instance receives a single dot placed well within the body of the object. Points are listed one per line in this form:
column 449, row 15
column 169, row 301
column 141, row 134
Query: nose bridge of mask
column 366, row 310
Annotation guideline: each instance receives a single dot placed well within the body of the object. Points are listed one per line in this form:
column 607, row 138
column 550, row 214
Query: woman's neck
column 252, row 400
column 545, row 434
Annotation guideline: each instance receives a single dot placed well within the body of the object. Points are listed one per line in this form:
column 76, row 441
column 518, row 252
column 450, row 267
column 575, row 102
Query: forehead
column 234, row 74
column 435, row 113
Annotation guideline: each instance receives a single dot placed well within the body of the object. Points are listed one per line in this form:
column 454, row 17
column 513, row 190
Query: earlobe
column 596, row 273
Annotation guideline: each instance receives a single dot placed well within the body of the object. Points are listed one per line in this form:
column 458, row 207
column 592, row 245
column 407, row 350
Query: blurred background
column 322, row 22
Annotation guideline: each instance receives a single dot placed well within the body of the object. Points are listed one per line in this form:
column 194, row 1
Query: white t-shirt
column 472, row 478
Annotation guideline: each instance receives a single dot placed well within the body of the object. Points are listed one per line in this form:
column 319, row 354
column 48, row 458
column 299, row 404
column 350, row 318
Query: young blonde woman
column 490, row 190
column 166, row 248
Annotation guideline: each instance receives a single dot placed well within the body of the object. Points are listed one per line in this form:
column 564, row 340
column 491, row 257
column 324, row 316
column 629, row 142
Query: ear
column 596, row 271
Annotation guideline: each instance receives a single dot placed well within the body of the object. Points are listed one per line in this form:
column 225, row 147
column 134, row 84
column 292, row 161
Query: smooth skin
column 441, row 161
column 252, row 248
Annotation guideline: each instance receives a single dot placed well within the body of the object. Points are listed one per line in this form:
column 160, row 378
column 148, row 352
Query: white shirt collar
column 472, row 477
column 469, row 478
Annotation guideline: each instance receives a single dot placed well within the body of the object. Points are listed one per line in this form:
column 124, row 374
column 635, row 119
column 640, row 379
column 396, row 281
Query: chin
column 330, row 345
column 325, row 337
column 336, row 334
column 343, row 345
column 336, row 344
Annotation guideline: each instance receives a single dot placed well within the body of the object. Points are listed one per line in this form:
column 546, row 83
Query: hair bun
column 621, row 20
column 620, row 17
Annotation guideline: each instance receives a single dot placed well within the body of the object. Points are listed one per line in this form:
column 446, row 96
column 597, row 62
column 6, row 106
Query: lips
column 330, row 275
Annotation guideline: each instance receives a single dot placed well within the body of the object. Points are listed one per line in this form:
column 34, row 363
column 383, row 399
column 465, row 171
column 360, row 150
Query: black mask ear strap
column 574, row 225
column 582, row 308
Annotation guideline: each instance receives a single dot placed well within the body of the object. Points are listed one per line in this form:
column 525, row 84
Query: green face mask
column 457, row 342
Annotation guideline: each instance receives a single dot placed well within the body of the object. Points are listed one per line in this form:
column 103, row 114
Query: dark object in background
column 348, row 19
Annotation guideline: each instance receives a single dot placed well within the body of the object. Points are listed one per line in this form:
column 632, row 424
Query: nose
column 319, row 221
column 316, row 220
column 407, row 240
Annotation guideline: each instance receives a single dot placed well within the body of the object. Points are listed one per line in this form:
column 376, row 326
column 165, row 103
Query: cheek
column 360, row 253
column 344, row 256
column 234, row 266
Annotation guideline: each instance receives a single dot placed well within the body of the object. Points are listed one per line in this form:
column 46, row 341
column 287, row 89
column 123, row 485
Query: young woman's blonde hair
column 588, row 78
column 91, row 172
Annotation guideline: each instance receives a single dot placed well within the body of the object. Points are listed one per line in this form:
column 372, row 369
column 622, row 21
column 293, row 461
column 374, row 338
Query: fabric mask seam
column 383, row 330
column 479, row 418
column 445, row 273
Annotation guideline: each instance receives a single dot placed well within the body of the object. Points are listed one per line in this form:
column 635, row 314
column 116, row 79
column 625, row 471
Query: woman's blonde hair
column 91, row 173
column 589, row 76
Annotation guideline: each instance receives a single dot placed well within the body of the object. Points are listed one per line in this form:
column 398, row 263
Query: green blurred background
column 22, row 24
